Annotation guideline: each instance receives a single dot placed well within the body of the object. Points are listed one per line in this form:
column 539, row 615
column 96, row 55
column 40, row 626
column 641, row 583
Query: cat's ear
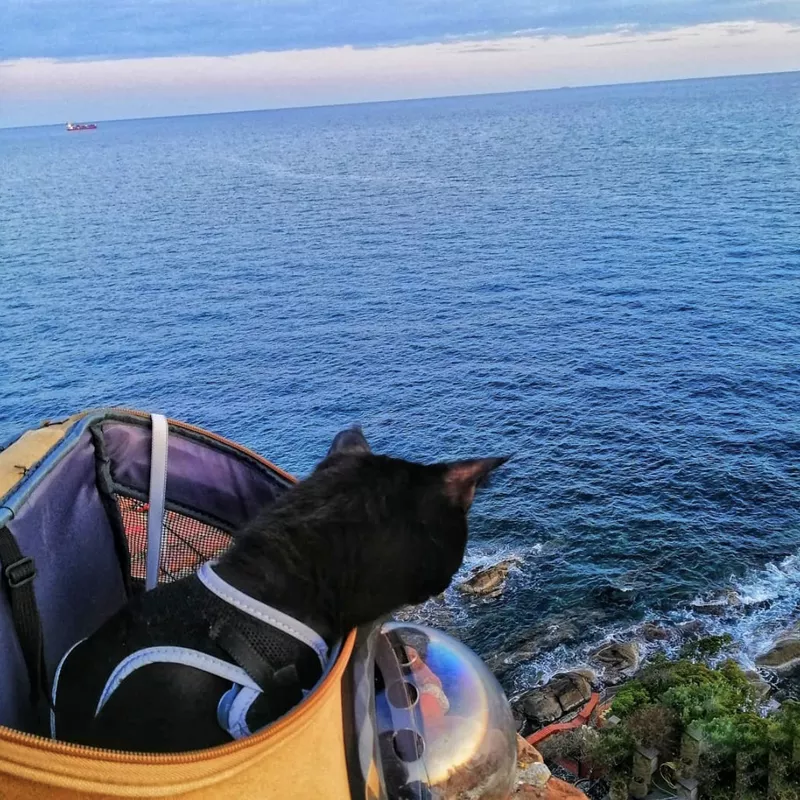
column 462, row 478
column 349, row 442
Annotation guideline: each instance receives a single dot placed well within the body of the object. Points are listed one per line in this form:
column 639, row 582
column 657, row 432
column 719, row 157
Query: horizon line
column 422, row 98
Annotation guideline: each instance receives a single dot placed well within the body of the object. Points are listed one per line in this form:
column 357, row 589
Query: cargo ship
column 81, row 126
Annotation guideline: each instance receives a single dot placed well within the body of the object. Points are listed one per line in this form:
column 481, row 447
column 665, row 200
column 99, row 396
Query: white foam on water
column 769, row 605
column 484, row 555
column 766, row 603
column 540, row 669
column 456, row 610
column 773, row 582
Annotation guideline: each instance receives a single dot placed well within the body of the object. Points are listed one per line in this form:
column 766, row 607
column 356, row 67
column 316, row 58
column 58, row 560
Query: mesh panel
column 186, row 543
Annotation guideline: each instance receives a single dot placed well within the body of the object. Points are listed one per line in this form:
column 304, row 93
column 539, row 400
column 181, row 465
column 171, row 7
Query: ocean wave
column 453, row 610
column 754, row 611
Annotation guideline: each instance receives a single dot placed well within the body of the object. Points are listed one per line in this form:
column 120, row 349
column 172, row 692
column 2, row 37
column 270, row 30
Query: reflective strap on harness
column 159, row 448
column 55, row 688
column 173, row 655
column 262, row 612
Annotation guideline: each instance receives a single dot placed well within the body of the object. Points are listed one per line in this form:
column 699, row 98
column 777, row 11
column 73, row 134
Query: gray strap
column 166, row 654
column 262, row 611
column 158, row 494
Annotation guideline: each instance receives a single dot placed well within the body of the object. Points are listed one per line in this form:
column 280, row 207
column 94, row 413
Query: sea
column 603, row 283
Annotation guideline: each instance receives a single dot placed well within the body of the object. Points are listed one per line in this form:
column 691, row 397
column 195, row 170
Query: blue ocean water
column 604, row 282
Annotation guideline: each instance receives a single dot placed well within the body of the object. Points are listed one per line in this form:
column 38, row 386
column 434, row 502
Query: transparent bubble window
column 431, row 719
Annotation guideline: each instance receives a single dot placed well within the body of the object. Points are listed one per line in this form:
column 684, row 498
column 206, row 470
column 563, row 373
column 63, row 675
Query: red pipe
column 581, row 719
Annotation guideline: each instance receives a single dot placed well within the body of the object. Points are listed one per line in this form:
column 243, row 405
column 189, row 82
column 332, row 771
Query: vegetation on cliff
column 702, row 721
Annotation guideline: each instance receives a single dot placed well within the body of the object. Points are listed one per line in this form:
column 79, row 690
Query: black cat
column 214, row 656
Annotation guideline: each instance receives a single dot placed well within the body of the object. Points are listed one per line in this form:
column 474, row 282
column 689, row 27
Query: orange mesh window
column 187, row 543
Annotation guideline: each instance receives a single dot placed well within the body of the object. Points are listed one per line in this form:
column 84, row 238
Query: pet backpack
column 76, row 500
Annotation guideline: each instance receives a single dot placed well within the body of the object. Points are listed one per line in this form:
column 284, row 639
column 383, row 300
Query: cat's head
column 395, row 530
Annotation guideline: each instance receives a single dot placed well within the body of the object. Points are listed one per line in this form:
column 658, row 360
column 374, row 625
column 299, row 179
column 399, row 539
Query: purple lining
column 63, row 526
column 213, row 482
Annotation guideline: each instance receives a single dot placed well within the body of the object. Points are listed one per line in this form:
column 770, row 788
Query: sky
column 108, row 59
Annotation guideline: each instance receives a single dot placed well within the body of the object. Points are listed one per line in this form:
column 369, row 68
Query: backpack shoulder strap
column 18, row 573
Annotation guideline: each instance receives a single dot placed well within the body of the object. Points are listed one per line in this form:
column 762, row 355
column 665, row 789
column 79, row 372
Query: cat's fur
column 363, row 535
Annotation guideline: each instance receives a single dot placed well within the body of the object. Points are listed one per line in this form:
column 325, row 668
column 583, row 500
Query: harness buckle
column 20, row 572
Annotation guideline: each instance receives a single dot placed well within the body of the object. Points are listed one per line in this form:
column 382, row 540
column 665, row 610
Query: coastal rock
column 721, row 605
column 784, row 656
column 651, row 632
column 558, row 630
column 711, row 609
column 520, row 720
column 691, row 628
column 554, row 789
column 732, row 597
column 565, row 692
column 587, row 673
column 760, row 686
column 527, row 754
column 556, row 633
column 572, row 689
column 610, row 595
column 488, row 582
column 619, row 660
column 539, row 707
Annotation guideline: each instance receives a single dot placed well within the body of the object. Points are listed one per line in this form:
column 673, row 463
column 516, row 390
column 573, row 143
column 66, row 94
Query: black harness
column 271, row 660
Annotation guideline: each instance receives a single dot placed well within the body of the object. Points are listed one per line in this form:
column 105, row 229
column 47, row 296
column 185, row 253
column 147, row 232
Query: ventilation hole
column 402, row 656
column 408, row 745
column 412, row 638
column 402, row 694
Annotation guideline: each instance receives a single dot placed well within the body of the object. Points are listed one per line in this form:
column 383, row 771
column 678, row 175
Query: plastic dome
column 442, row 724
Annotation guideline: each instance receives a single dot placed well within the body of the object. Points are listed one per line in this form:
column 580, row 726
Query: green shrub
column 786, row 793
column 715, row 776
column 686, row 685
column 655, row 726
column 578, row 744
column 698, row 692
column 613, row 750
column 669, row 696
column 737, row 733
column 707, row 647
column 784, row 728
column 629, row 698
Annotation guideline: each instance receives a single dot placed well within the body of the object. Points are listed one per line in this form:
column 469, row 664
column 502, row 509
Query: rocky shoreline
column 616, row 659
column 776, row 675
column 608, row 666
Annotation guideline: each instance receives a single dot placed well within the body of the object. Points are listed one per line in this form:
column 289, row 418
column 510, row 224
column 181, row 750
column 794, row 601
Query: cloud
column 80, row 29
column 741, row 30
column 619, row 43
column 498, row 48
column 36, row 91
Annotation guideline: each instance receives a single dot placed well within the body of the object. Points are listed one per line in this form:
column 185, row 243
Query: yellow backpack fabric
column 300, row 756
